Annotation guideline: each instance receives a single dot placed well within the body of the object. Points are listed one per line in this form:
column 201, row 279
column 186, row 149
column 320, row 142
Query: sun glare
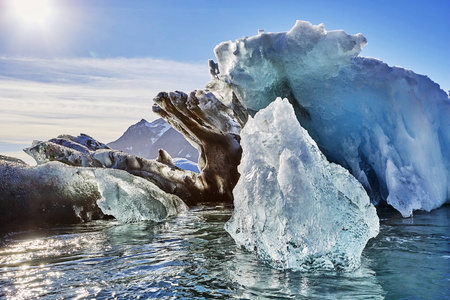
column 31, row 12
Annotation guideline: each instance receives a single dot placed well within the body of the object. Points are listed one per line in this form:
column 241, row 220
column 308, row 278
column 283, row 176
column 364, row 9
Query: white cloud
column 43, row 98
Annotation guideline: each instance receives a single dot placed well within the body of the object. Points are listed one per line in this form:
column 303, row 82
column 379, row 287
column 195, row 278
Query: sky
column 94, row 66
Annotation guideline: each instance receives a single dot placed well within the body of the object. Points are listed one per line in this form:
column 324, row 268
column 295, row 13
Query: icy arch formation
column 387, row 125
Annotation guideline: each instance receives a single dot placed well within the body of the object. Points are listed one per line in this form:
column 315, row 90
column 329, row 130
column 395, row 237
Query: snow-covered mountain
column 144, row 139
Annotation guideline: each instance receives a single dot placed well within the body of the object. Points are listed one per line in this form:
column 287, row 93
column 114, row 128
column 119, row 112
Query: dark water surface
column 192, row 257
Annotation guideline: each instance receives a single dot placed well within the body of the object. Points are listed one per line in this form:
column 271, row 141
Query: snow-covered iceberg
column 387, row 125
column 292, row 206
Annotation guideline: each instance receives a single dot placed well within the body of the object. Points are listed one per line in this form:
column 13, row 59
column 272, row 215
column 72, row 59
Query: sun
column 31, row 12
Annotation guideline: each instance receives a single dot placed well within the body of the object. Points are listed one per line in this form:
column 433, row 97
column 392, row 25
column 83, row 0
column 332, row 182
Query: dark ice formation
column 55, row 192
column 207, row 123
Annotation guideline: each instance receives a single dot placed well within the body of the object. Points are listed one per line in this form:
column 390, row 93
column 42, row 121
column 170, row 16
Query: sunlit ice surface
column 192, row 257
column 31, row 12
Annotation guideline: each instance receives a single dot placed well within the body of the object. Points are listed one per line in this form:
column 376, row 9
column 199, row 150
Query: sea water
column 193, row 257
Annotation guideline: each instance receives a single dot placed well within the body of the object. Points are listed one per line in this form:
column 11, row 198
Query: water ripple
column 193, row 257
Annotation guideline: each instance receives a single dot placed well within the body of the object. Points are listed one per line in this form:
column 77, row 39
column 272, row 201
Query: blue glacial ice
column 292, row 206
column 388, row 126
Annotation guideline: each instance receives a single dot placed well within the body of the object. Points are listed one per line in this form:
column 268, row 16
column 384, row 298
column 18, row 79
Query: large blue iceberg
column 387, row 125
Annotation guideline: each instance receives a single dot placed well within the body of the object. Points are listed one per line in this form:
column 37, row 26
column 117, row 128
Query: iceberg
column 293, row 207
column 387, row 125
column 54, row 192
column 131, row 198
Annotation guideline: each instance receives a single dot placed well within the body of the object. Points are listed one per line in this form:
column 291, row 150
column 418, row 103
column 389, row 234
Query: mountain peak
column 145, row 139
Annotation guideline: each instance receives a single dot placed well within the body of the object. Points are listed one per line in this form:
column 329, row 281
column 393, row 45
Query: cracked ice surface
column 387, row 125
column 292, row 206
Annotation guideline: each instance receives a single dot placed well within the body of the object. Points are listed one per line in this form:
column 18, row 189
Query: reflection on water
column 193, row 257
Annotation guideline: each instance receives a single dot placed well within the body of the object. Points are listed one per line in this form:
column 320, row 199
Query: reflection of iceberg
column 259, row 281
column 387, row 125
column 294, row 207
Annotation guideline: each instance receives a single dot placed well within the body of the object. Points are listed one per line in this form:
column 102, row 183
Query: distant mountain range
column 144, row 139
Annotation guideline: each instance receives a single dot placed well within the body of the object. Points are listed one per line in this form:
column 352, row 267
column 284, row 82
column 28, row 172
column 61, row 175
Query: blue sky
column 93, row 66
